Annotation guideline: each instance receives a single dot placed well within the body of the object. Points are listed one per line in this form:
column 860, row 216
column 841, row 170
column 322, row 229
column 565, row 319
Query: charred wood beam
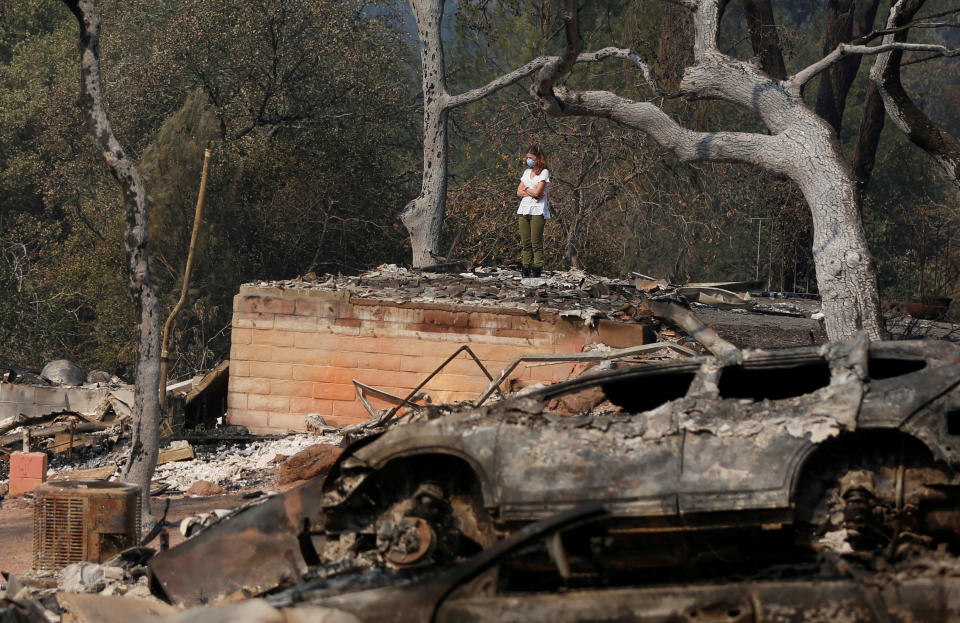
column 688, row 321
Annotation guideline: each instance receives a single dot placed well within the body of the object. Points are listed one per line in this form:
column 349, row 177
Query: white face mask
column 531, row 162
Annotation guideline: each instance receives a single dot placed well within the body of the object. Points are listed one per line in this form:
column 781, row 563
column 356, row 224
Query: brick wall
column 296, row 352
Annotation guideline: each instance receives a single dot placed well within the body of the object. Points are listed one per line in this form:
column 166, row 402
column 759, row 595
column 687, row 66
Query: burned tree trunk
column 905, row 114
column 846, row 20
column 764, row 38
column 146, row 413
column 800, row 146
column 423, row 217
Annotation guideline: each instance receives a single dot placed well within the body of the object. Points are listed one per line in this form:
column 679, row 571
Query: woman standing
column 534, row 210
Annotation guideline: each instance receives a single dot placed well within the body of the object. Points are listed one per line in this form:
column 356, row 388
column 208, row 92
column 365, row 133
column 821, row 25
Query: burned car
column 852, row 445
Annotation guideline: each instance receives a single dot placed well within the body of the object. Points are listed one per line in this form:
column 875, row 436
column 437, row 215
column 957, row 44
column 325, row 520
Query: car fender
column 473, row 447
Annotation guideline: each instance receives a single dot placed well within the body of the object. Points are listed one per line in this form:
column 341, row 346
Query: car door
column 630, row 461
column 742, row 446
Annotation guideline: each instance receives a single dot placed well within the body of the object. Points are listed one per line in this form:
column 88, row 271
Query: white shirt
column 529, row 205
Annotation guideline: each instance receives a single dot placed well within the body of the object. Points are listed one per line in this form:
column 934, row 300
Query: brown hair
column 541, row 161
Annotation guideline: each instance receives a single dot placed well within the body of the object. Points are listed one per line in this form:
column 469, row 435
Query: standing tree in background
column 799, row 145
column 146, row 411
column 905, row 114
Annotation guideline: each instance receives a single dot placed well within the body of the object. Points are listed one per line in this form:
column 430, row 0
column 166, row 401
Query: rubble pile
column 572, row 291
column 235, row 466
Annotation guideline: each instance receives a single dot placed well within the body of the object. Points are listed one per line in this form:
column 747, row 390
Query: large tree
column 798, row 144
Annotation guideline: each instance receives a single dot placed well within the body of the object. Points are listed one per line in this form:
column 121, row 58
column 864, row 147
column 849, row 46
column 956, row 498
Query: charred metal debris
column 778, row 473
column 805, row 483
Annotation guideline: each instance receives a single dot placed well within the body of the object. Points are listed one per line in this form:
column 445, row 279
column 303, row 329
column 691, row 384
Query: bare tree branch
column 804, row 75
column 800, row 146
column 905, row 114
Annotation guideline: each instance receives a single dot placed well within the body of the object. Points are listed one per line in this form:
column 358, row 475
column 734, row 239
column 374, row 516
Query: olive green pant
column 531, row 238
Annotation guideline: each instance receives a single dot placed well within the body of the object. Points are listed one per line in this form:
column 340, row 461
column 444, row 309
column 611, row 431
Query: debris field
column 697, row 480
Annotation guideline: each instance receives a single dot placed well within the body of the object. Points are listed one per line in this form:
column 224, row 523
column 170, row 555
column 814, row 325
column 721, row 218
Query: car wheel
column 874, row 495
column 411, row 524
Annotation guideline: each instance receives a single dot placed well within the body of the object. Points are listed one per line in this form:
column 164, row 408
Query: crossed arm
column 536, row 192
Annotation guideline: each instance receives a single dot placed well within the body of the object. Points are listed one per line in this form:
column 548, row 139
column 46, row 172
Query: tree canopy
column 315, row 111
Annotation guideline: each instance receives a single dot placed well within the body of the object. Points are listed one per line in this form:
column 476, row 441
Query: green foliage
column 308, row 109
column 310, row 106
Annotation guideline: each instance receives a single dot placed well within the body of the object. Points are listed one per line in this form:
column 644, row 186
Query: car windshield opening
column 885, row 368
column 636, row 395
column 773, row 383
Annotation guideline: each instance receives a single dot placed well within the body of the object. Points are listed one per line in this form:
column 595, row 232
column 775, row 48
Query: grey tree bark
column 800, row 146
column 146, row 412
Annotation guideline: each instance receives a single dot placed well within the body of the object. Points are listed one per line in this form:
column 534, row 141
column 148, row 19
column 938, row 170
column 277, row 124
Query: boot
column 526, row 271
column 535, row 271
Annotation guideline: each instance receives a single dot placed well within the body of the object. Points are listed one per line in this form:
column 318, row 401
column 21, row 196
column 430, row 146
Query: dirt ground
column 16, row 524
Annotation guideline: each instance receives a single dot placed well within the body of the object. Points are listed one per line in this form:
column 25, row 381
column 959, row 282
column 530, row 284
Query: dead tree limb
column 798, row 145
column 902, row 110
column 146, row 411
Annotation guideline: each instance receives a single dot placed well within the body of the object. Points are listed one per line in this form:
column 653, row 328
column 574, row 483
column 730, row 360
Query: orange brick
column 521, row 335
column 291, row 388
column 450, row 337
column 622, row 334
column 347, row 418
column 378, row 378
column 464, row 364
column 455, row 382
column 287, row 421
column 349, row 409
column 236, row 400
column 401, row 315
column 344, row 359
column 334, row 391
column 344, row 330
column 268, row 402
column 324, row 340
column 19, row 486
column 295, row 323
column 253, row 420
column 240, row 335
column 239, row 368
column 243, row 320
column 550, row 374
column 323, row 374
column 305, row 405
column 419, row 364
column 270, row 370
column 272, row 337
column 27, row 470
column 401, row 346
column 376, row 361
column 250, row 352
column 491, row 320
column 570, row 344
column 289, row 354
column 317, row 309
column 496, row 352
column 28, row 465
column 247, row 384
column 263, row 304
column 445, row 318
